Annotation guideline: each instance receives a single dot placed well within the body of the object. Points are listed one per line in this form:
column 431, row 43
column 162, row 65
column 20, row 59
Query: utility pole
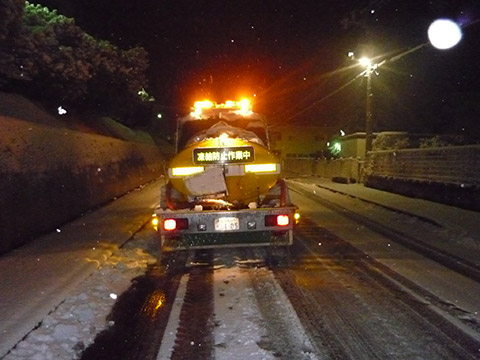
column 368, row 113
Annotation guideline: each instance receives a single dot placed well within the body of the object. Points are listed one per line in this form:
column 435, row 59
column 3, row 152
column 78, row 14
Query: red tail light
column 277, row 220
column 169, row 224
column 283, row 220
column 175, row 224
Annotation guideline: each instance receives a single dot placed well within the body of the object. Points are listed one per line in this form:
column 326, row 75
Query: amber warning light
column 242, row 107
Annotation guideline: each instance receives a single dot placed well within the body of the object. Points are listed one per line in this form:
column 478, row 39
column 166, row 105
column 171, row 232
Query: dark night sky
column 292, row 54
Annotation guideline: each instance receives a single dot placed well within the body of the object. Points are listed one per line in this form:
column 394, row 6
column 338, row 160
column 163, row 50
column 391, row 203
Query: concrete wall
column 345, row 170
column 49, row 176
column 448, row 175
column 454, row 164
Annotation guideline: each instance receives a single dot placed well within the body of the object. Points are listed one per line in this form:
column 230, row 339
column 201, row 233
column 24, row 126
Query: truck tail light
column 277, row 220
column 283, row 220
column 175, row 224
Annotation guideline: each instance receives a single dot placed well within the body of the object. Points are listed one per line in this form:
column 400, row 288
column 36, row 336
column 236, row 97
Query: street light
column 443, row 34
column 364, row 61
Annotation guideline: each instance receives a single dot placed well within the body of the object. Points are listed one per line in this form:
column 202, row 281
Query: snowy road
column 350, row 293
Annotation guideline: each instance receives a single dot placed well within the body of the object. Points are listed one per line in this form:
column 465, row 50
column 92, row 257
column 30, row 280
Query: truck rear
column 224, row 187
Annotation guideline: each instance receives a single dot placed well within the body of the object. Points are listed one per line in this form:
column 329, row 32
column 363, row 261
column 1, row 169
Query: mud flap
column 279, row 253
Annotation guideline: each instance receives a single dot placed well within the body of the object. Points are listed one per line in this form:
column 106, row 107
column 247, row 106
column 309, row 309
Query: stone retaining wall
column 453, row 164
column 52, row 175
column 449, row 175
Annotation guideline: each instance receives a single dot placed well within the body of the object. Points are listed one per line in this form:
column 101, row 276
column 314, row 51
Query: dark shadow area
column 138, row 318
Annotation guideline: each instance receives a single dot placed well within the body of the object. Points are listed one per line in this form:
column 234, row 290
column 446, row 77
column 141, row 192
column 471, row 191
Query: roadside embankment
column 50, row 175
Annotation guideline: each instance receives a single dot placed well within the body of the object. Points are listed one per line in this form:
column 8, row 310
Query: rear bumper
column 225, row 240
column 253, row 228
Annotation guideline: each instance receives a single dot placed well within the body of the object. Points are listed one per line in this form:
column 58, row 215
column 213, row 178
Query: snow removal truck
column 223, row 185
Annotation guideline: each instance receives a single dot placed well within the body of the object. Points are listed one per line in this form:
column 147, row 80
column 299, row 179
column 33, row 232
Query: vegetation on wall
column 45, row 56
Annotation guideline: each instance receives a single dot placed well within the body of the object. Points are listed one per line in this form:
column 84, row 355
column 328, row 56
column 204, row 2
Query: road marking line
column 170, row 334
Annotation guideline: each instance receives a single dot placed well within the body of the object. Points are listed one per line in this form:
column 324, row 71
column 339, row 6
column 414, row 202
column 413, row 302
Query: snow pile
column 68, row 330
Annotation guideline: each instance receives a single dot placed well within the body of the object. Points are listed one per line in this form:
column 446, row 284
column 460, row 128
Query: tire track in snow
column 194, row 334
column 254, row 318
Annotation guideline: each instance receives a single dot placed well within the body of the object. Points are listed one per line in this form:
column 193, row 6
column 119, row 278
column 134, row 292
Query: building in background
column 352, row 145
column 299, row 140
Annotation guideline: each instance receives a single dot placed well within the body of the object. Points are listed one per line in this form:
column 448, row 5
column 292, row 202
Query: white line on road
column 170, row 334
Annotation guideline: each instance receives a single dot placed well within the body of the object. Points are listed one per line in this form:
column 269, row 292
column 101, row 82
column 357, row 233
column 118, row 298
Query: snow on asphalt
column 237, row 317
column 72, row 326
column 240, row 330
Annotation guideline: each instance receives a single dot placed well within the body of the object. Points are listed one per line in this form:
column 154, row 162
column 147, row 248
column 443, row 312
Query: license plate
column 227, row 224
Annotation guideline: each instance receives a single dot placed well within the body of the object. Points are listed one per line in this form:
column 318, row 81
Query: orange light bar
column 245, row 106
column 205, row 104
column 242, row 107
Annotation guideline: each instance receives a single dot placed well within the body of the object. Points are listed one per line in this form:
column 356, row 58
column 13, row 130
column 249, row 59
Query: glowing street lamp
column 442, row 34
column 364, row 61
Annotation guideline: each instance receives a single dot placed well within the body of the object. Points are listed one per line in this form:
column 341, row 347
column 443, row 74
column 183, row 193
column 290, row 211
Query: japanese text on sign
column 241, row 154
